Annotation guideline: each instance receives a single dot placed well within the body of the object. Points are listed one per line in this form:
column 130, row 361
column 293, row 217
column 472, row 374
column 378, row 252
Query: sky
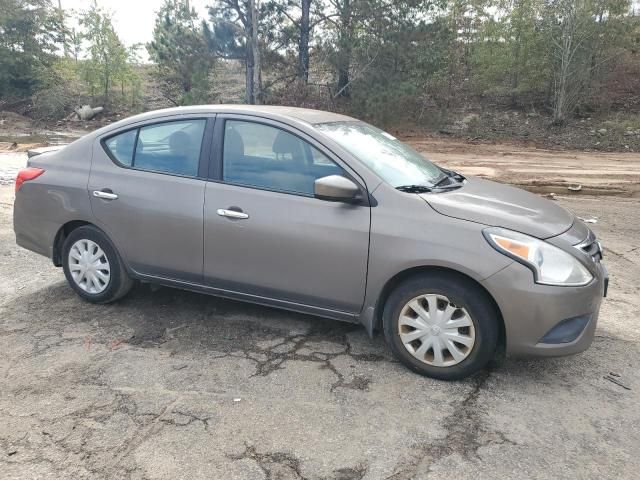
column 133, row 19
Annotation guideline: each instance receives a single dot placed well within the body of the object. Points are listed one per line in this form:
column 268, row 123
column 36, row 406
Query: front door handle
column 105, row 194
column 232, row 214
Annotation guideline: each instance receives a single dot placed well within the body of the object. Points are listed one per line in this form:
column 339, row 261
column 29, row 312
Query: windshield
column 395, row 162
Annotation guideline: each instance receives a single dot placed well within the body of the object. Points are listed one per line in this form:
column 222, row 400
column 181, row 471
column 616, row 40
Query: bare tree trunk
column 344, row 55
column 249, row 60
column 594, row 54
column 303, row 44
column 515, row 78
column 107, row 78
column 65, row 46
column 255, row 47
column 250, row 97
column 563, row 73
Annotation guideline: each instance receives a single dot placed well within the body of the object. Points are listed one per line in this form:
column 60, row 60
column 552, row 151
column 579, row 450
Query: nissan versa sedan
column 318, row 213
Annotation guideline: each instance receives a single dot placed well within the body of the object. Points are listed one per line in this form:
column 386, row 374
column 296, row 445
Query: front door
column 265, row 233
column 147, row 191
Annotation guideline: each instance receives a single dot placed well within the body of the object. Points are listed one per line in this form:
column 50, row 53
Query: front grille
column 591, row 246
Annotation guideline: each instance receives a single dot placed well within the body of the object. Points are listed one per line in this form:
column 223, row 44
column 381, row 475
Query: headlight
column 550, row 265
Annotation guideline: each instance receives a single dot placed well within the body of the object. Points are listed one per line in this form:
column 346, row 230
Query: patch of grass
column 622, row 122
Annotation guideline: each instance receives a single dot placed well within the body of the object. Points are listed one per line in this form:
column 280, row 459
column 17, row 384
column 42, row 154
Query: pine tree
column 180, row 52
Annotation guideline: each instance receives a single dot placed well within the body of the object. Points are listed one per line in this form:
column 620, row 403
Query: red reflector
column 27, row 174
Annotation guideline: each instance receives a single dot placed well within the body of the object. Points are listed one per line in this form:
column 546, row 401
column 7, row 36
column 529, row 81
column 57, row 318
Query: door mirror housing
column 336, row 188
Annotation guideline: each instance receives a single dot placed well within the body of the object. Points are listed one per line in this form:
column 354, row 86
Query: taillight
column 27, row 174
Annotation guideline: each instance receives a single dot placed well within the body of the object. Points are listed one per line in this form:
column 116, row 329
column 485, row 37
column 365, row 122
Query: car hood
column 499, row 205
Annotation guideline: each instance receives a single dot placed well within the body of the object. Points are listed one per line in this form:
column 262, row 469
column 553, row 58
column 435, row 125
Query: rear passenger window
column 172, row 147
column 259, row 155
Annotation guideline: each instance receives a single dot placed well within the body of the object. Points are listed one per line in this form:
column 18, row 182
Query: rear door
column 147, row 189
column 266, row 234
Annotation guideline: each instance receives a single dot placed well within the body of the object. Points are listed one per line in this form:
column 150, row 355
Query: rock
column 464, row 122
column 467, row 119
column 628, row 133
column 87, row 113
column 602, row 131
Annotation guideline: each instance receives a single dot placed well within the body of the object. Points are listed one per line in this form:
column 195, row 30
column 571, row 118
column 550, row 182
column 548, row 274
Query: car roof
column 304, row 114
column 269, row 111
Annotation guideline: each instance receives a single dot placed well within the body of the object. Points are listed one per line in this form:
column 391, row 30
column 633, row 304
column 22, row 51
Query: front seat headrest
column 285, row 143
column 179, row 142
column 233, row 144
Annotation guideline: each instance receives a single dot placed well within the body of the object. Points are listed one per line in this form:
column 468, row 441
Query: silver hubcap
column 89, row 266
column 435, row 331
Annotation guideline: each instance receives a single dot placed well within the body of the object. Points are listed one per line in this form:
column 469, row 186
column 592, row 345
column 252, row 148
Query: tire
column 456, row 297
column 109, row 264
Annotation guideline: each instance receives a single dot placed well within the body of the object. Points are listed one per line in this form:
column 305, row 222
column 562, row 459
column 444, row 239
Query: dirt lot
column 538, row 169
column 170, row 384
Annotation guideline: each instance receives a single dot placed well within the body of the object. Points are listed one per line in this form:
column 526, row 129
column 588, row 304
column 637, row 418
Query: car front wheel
column 93, row 267
column 441, row 325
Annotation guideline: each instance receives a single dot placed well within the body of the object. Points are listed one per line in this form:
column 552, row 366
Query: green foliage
column 385, row 60
column 59, row 92
column 109, row 62
column 29, row 35
column 180, row 51
column 227, row 36
column 511, row 56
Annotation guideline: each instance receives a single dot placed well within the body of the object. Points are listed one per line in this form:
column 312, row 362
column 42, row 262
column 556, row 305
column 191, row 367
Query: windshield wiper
column 414, row 188
column 441, row 181
column 449, row 174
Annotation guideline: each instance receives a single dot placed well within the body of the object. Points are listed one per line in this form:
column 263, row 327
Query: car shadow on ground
column 187, row 322
column 184, row 322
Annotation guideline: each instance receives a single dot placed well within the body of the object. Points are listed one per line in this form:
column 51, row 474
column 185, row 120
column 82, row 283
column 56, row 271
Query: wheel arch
column 404, row 275
column 62, row 233
column 65, row 230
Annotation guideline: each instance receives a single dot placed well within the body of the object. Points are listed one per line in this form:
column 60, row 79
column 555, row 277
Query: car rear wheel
column 93, row 267
column 441, row 325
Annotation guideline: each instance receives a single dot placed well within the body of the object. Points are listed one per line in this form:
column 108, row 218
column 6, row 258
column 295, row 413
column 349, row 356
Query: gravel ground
column 170, row 384
column 10, row 164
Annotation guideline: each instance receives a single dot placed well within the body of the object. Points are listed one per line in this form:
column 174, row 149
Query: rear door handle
column 106, row 195
column 232, row 214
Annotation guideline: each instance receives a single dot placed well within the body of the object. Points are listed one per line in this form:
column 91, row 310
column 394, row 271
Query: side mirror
column 336, row 188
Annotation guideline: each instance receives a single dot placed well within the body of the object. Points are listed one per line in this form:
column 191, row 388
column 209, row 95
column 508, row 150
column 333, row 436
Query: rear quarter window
column 121, row 147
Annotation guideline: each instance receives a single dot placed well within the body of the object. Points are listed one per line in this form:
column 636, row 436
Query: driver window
column 267, row 157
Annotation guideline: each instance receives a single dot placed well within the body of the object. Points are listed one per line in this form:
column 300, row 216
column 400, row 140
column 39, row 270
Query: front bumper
column 531, row 311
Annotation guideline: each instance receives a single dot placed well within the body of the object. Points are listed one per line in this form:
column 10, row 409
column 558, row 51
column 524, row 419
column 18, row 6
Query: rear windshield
column 394, row 161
